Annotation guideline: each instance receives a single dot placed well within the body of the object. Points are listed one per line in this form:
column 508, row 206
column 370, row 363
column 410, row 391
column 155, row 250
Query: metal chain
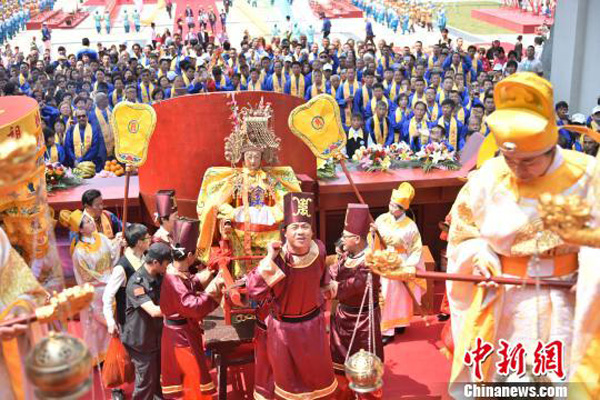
column 362, row 306
column 372, row 342
column 536, row 265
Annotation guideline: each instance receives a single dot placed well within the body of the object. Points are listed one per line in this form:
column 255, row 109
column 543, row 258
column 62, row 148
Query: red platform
column 57, row 19
column 336, row 9
column 509, row 18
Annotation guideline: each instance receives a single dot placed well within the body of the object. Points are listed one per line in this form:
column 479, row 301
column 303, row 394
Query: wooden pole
column 126, row 197
column 443, row 276
column 360, row 198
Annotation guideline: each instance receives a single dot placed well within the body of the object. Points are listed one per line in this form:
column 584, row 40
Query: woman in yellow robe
column 18, row 289
column 94, row 256
column 400, row 234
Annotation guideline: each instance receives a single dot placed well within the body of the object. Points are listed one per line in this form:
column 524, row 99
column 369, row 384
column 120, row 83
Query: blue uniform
column 60, row 154
column 136, row 21
column 390, row 137
column 98, row 22
column 107, row 23
column 460, row 128
column 96, row 153
column 126, row 23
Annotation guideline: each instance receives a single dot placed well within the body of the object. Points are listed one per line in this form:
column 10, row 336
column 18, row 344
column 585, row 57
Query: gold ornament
column 568, row 216
column 251, row 131
column 60, row 367
column 560, row 212
column 364, row 371
column 388, row 263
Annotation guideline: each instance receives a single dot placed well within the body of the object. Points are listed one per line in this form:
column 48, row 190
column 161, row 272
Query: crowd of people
column 385, row 94
column 405, row 15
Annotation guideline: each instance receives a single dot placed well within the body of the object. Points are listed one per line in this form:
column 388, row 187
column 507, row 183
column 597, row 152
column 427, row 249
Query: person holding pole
column 401, row 234
column 496, row 230
column 350, row 276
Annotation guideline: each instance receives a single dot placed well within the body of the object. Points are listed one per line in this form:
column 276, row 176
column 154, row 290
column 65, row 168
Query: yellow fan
column 133, row 125
column 319, row 125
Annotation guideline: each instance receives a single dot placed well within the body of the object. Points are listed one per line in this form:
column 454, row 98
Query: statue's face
column 252, row 159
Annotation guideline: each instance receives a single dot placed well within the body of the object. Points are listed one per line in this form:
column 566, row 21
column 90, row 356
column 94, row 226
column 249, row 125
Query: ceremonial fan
column 133, row 125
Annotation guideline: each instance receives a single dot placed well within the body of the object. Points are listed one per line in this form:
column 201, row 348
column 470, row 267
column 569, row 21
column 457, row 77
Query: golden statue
column 250, row 197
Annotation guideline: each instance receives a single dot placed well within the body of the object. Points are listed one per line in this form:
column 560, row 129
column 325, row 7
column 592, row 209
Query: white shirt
column 528, row 65
column 117, row 280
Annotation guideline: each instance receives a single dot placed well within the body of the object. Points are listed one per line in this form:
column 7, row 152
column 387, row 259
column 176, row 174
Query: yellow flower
column 386, row 163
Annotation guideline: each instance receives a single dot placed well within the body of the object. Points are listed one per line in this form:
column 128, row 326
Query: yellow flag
column 133, row 125
column 319, row 125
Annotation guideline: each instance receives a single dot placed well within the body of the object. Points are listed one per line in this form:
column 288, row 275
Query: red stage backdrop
column 189, row 138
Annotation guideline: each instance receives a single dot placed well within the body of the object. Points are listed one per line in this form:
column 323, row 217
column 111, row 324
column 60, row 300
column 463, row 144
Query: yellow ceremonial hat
column 71, row 219
column 523, row 122
column 403, row 195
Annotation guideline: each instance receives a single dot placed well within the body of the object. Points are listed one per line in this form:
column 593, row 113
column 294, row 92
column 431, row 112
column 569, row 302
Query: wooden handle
column 502, row 280
column 360, row 198
column 126, row 197
column 22, row 320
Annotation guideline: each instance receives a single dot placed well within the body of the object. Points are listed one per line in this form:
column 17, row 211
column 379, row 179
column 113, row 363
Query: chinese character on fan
column 547, row 358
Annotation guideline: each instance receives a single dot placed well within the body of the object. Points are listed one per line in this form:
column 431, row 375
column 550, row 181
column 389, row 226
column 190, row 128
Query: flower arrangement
column 437, row 155
column 401, row 151
column 400, row 155
column 326, row 169
column 376, row 158
column 60, row 177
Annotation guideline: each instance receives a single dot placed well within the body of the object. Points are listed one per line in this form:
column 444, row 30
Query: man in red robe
column 264, row 387
column 293, row 276
column 186, row 299
column 349, row 282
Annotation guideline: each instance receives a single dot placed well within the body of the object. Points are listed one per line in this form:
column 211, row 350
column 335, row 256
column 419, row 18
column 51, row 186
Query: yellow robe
column 256, row 214
column 403, row 236
column 496, row 217
column 18, row 289
column 93, row 261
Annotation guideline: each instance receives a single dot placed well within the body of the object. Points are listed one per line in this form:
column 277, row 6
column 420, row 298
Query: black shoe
column 400, row 331
column 117, row 394
column 387, row 340
column 443, row 317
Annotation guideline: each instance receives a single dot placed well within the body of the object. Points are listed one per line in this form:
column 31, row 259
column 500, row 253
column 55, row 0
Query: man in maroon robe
column 264, row 386
column 293, row 276
column 185, row 300
column 349, row 283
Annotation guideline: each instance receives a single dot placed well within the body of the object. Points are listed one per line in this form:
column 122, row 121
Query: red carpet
column 180, row 6
column 414, row 369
